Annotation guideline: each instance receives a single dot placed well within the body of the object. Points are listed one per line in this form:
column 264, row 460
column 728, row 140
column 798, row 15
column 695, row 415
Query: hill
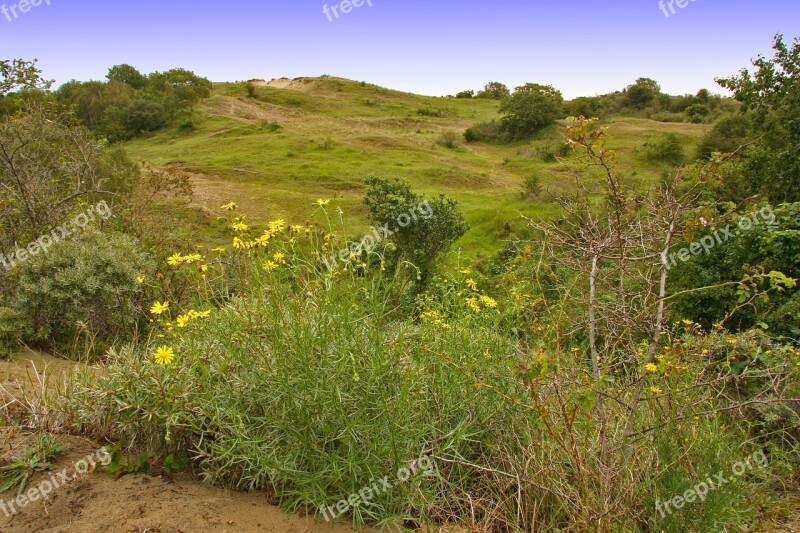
column 293, row 141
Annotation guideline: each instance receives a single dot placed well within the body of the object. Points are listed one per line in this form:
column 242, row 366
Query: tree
column 128, row 75
column 19, row 74
column 425, row 239
column 771, row 97
column 531, row 108
column 144, row 116
column 494, row 91
column 643, row 92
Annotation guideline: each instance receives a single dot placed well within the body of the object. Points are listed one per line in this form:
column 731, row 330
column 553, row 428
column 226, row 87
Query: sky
column 430, row 47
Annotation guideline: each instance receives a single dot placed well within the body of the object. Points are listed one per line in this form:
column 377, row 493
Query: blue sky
column 432, row 47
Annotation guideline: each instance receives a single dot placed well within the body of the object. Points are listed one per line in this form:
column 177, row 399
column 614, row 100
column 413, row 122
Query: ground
column 136, row 503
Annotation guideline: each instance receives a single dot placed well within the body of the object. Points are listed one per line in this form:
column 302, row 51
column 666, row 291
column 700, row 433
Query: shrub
column 488, row 132
column 425, row 239
column 86, row 284
column 668, row 150
column 465, row 94
column 143, row 115
column 448, row 139
column 533, row 186
column 697, row 113
column 531, row 108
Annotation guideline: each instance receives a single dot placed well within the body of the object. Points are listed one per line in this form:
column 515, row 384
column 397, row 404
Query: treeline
column 128, row 103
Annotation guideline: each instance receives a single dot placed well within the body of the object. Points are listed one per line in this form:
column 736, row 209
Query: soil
column 98, row 501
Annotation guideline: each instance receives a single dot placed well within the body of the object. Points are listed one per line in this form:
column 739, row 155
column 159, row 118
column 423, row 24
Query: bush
column 448, row 139
column 533, row 186
column 697, row 113
column 531, row 108
column 465, row 94
column 86, row 284
column 668, row 150
column 144, row 116
column 425, row 239
column 488, row 132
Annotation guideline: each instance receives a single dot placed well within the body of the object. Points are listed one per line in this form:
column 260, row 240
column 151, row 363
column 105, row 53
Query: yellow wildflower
column 159, row 308
column 175, row 259
column 269, row 265
column 279, row 258
column 655, row 390
column 472, row 284
column 238, row 243
column 323, row 203
column 229, row 207
column 277, row 226
column 189, row 259
column 164, row 355
column 240, row 227
column 488, row 302
column 183, row 321
column 140, row 279
column 219, row 250
column 650, row 367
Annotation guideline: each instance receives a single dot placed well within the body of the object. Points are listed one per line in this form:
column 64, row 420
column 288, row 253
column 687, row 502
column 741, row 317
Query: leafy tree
column 465, row 94
column 144, row 116
column 18, row 74
column 424, row 240
column 697, row 113
column 728, row 134
column 494, row 91
column 770, row 96
column 531, row 108
column 584, row 106
column 128, row 75
column 642, row 93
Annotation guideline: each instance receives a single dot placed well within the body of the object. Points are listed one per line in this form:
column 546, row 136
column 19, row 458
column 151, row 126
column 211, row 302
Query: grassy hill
column 295, row 141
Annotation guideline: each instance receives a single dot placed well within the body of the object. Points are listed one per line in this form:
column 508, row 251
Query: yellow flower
column 650, row 367
column 297, row 229
column 229, row 207
column 140, row 279
column 238, row 243
column 466, row 271
column 472, row 303
column 183, row 321
column 240, row 227
column 472, row 284
column 203, row 268
column 488, row 302
column 655, row 390
column 269, row 265
column 279, row 258
column 277, row 226
column 201, row 314
column 164, row 355
column 174, row 259
column 323, row 203
column 732, row 341
column 159, row 308
column 192, row 258
column 218, row 250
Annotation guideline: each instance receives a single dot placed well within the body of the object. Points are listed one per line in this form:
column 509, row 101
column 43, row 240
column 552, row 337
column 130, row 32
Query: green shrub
column 488, row 132
column 668, row 150
column 448, row 139
column 85, row 284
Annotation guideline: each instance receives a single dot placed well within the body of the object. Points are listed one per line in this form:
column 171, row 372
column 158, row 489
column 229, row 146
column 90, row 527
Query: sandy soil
column 100, row 502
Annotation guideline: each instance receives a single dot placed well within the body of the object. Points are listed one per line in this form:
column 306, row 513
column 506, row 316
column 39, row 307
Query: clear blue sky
column 433, row 47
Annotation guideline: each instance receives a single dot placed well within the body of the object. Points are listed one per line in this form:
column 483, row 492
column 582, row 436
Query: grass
column 36, row 458
column 334, row 133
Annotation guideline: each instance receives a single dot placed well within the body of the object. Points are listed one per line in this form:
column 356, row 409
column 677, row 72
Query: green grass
column 334, row 133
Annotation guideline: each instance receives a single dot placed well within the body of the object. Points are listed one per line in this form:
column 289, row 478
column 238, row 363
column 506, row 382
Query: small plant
column 533, row 186
column 36, row 458
column 448, row 139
